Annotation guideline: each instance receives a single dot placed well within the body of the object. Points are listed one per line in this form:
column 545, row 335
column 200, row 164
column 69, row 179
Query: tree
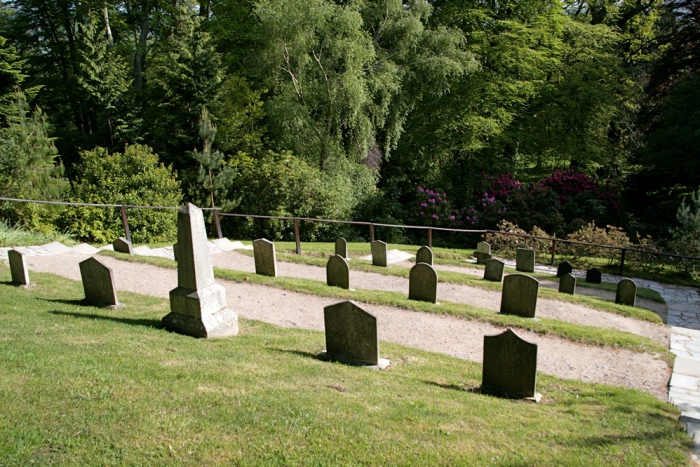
column 11, row 77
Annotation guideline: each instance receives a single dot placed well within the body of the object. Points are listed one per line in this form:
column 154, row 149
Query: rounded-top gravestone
column 594, row 276
column 626, row 292
column 519, row 295
column 379, row 254
column 422, row 283
column 265, row 259
column 18, row 268
column 341, row 247
column 338, row 272
column 424, row 255
column 564, row 268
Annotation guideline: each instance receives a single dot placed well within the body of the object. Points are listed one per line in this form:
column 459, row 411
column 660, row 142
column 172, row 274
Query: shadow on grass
column 150, row 323
column 301, row 353
column 82, row 302
column 452, row 387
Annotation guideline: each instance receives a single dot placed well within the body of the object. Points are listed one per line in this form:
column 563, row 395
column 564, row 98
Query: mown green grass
column 86, row 386
column 572, row 331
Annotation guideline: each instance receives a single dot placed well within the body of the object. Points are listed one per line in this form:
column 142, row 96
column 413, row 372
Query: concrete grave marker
column 338, row 272
column 567, row 284
column 564, row 268
column 341, row 247
column 18, row 268
column 494, row 270
column 594, row 276
column 519, row 295
column 510, row 366
column 98, row 283
column 198, row 304
column 424, row 255
column 626, row 292
column 525, row 260
column 379, row 257
column 265, row 259
column 351, row 334
column 422, row 283
column 122, row 245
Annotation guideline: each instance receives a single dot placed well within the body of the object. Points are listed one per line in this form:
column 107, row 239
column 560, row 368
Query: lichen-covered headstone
column 351, row 334
column 525, row 260
column 198, row 304
column 341, row 247
column 494, row 270
column 18, row 268
column 564, row 268
column 379, row 256
column 519, row 295
column 122, row 245
column 567, row 284
column 510, row 365
column 424, row 255
column 483, row 247
column 422, row 283
column 338, row 272
column 265, row 259
column 626, row 292
column 594, row 276
column 98, row 283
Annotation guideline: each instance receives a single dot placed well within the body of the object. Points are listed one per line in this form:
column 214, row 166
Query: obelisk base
column 201, row 313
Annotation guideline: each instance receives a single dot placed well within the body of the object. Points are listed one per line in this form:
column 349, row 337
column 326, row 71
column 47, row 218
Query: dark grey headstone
column 424, row 255
column 567, row 284
column 379, row 256
column 626, row 292
column 594, row 276
column 525, row 260
column 494, row 270
column 122, row 245
column 175, row 251
column 351, row 333
column 265, row 259
column 341, row 247
column 98, row 283
column 481, row 258
column 18, row 268
column 519, row 295
column 564, row 268
column 422, row 283
column 338, row 272
column 510, row 365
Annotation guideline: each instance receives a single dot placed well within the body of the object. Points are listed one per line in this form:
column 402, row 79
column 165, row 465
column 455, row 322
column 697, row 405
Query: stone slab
column 626, row 292
column 351, row 333
column 510, row 365
column 494, row 270
column 56, row 248
column 338, row 272
column 240, row 246
column 519, row 295
column 687, row 366
column 18, row 268
column 265, row 257
column 85, row 249
column 422, row 283
column 224, row 244
column 122, row 245
column 525, row 260
column 567, row 284
column 98, row 283
column 691, row 383
column 143, row 250
column 424, row 255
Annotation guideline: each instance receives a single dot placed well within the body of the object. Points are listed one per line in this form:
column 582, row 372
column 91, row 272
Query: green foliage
column 16, row 235
column 685, row 238
column 11, row 77
column 133, row 177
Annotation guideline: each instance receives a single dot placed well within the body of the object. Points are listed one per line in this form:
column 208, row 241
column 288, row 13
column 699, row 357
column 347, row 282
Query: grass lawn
column 87, row 386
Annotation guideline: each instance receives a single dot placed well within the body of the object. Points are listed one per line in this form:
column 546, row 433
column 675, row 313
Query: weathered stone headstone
column 338, row 272
column 482, row 253
column 351, row 334
column 341, row 247
column 18, row 268
column 494, row 270
column 265, row 258
column 510, row 365
column 519, row 295
column 379, row 257
column 198, row 304
column 525, row 260
column 626, row 292
column 422, row 283
column 483, row 247
column 98, row 283
column 424, row 255
column 564, row 268
column 594, row 276
column 567, row 284
column 122, row 245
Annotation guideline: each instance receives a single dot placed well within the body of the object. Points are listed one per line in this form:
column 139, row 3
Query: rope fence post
column 554, row 250
column 430, row 238
column 296, row 235
column 622, row 261
column 218, row 223
column 125, row 222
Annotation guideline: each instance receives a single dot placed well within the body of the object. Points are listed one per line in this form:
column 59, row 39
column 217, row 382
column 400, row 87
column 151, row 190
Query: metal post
column 125, row 221
column 622, row 261
column 554, row 250
column 218, row 224
column 296, row 235
column 371, row 232
column 430, row 238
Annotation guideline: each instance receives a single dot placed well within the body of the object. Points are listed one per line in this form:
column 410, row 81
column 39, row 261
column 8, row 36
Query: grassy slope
column 86, row 386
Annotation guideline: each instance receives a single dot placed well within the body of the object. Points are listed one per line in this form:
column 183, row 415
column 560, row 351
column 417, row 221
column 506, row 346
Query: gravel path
column 438, row 333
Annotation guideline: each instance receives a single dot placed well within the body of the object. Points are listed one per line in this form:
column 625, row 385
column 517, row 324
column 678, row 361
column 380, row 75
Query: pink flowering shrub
column 432, row 208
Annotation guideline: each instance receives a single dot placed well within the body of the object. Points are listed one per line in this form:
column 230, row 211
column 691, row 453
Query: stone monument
column 626, row 292
column 341, row 247
column 525, row 260
column 379, row 256
column 482, row 253
column 422, row 283
column 567, row 284
column 18, row 268
column 338, row 272
column 98, row 284
column 510, row 366
column 519, row 295
column 424, row 255
column 122, row 245
column 494, row 270
column 564, row 268
column 265, row 259
column 594, row 276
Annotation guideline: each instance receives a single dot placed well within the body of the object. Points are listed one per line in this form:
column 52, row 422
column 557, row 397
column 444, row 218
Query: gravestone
column 379, row 257
column 341, row 247
column 98, row 284
column 351, row 334
column 482, row 253
column 424, row 255
column 594, row 276
column 122, row 245
column 338, row 272
column 510, row 365
column 422, row 283
column 198, row 304
column 626, row 292
column 519, row 295
column 175, row 251
column 564, row 268
column 567, row 284
column 483, row 247
column 494, row 270
column 525, row 260
column 18, row 268
column 265, row 259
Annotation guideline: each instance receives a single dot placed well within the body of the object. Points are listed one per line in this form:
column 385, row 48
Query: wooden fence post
column 125, row 221
column 430, row 238
column 554, row 250
column 622, row 261
column 296, row 235
column 371, row 232
column 218, row 223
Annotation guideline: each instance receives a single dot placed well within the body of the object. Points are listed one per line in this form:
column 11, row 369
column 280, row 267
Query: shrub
column 507, row 244
column 432, row 208
column 611, row 236
column 536, row 205
column 685, row 238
